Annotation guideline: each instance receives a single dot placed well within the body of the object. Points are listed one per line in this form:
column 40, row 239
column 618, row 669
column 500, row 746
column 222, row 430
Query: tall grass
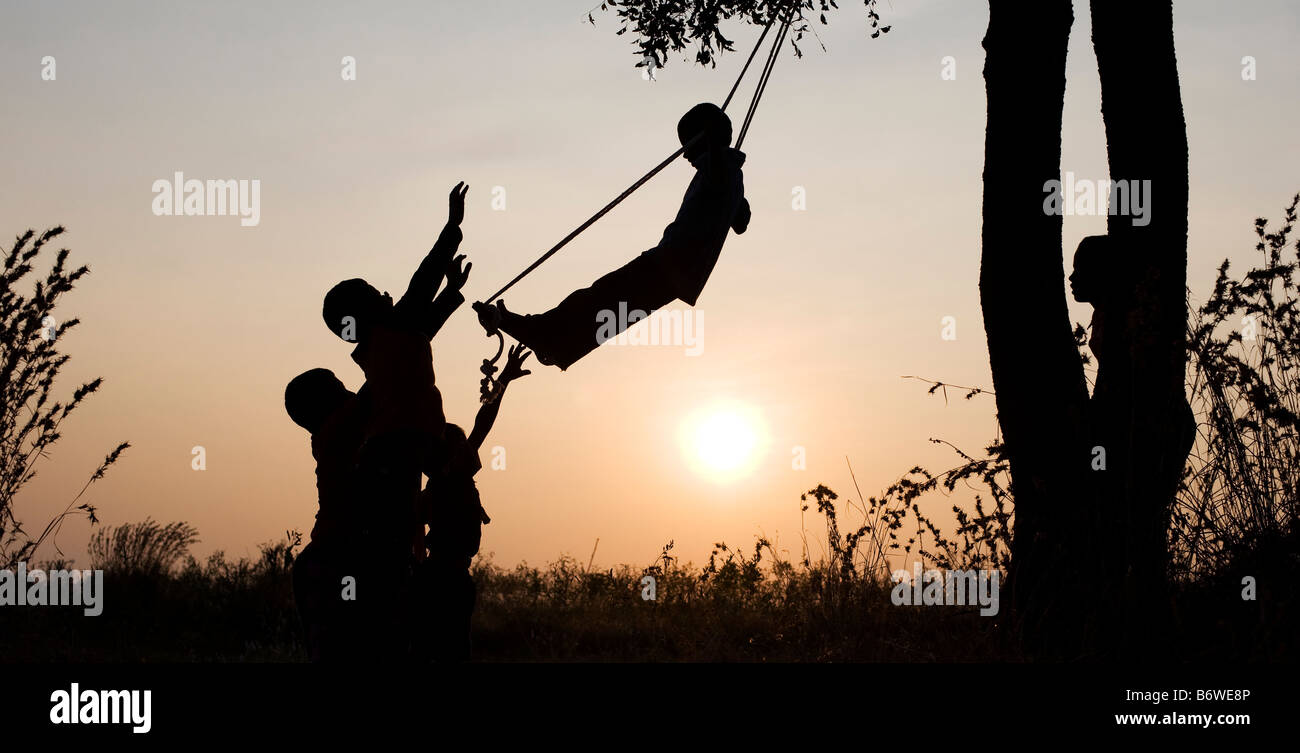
column 31, row 418
column 161, row 604
column 1236, row 509
column 147, row 548
column 743, row 604
column 1238, row 504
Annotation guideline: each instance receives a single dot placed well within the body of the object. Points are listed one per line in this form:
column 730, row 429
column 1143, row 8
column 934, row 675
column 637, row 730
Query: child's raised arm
column 428, row 276
column 487, row 415
column 449, row 299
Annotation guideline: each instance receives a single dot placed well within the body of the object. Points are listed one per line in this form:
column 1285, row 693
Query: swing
column 489, row 388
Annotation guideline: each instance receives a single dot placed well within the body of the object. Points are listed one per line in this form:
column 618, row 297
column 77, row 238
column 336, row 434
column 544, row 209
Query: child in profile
column 452, row 508
column 402, row 430
column 675, row 269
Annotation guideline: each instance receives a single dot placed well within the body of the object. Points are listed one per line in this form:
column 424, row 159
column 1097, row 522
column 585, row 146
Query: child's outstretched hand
column 456, row 204
column 458, row 273
column 515, row 365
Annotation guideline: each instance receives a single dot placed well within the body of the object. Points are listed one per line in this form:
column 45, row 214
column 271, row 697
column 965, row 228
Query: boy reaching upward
column 402, row 433
column 392, row 339
column 677, row 268
column 451, row 506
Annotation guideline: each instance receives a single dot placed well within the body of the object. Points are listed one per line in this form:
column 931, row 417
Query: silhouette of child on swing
column 677, row 268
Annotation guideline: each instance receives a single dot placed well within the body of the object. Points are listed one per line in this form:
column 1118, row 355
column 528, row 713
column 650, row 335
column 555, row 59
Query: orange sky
column 810, row 319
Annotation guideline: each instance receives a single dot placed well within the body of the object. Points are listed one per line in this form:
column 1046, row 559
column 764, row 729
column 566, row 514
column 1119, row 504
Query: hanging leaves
column 660, row 27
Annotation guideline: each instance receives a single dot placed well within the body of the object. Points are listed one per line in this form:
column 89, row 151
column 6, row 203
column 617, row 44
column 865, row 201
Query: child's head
column 312, row 396
column 709, row 119
column 1094, row 269
column 351, row 306
column 461, row 458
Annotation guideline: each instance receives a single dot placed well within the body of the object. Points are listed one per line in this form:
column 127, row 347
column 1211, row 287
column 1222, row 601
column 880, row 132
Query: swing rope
column 749, row 116
column 762, row 81
column 757, row 46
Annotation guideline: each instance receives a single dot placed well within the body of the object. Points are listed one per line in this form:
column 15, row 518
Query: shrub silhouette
column 30, row 362
column 1241, row 490
column 147, row 548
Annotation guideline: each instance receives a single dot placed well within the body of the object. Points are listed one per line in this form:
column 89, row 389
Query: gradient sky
column 810, row 319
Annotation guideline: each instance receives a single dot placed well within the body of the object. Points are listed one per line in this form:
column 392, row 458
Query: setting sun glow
column 723, row 442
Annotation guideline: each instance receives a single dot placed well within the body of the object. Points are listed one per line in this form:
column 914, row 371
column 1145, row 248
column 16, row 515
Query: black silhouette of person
column 392, row 346
column 451, row 506
column 346, row 591
column 1106, row 275
column 1096, row 280
column 371, row 448
column 677, row 268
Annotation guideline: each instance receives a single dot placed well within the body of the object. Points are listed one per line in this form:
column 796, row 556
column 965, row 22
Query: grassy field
column 738, row 609
column 741, row 607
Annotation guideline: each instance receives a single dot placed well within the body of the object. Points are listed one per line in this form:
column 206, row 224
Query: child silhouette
column 392, row 339
column 677, row 268
column 343, row 544
column 450, row 504
column 402, row 431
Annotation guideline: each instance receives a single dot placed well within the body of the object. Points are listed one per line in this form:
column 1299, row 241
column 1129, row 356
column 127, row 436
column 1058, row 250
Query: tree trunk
column 1037, row 374
column 1144, row 413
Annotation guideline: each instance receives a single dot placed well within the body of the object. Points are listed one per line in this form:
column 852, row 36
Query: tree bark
column 1042, row 396
column 1143, row 414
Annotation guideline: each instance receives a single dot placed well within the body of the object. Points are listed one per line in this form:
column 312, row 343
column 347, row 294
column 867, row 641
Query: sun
column 723, row 441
